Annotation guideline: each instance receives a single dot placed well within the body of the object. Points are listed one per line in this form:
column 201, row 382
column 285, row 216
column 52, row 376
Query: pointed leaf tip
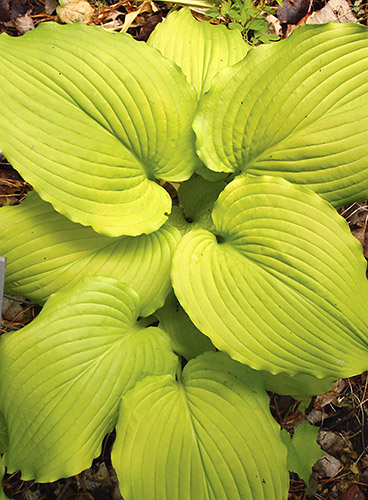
column 303, row 450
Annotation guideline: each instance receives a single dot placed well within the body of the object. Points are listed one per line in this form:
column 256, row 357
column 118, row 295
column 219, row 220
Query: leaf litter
column 342, row 413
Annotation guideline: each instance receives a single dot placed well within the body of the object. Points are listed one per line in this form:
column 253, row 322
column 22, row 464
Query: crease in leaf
column 48, row 252
column 62, row 376
column 296, row 109
column 200, row 49
column 281, row 285
column 91, row 119
column 206, row 435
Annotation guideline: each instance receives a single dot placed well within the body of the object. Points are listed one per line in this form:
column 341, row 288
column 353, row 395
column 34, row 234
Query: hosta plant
column 167, row 316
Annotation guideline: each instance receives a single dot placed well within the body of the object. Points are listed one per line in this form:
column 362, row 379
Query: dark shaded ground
column 341, row 415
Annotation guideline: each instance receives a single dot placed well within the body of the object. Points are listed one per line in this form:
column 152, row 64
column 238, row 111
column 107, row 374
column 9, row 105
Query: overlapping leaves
column 91, row 119
column 296, row 109
column 186, row 339
column 48, row 251
column 61, row 377
column 206, row 435
column 200, row 49
column 281, row 285
column 270, row 274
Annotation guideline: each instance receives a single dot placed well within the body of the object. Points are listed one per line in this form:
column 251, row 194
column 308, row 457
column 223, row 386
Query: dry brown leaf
column 338, row 11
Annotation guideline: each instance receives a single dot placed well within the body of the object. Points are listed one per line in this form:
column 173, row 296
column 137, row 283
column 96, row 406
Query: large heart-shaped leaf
column 62, row 376
column 48, row 251
column 91, row 119
column 281, row 286
column 296, row 109
column 200, row 49
column 207, row 436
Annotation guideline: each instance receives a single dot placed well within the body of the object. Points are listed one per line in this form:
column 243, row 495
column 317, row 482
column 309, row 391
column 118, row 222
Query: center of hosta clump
column 219, row 238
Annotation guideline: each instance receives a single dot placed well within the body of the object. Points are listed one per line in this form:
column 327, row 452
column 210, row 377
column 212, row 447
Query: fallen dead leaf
column 23, row 23
column 338, row 11
column 324, row 399
column 352, row 493
column 332, row 443
column 328, row 466
column 11, row 9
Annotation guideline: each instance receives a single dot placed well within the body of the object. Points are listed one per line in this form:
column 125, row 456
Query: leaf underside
column 208, row 436
column 91, row 119
column 62, row 376
column 296, row 109
column 281, row 286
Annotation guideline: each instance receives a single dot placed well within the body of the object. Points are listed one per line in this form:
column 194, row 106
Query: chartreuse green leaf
column 296, row 109
column 196, row 198
column 2, row 472
column 301, row 386
column 91, row 119
column 207, row 435
column 200, row 49
column 303, row 450
column 48, row 251
column 186, row 339
column 3, row 434
column 281, row 285
column 62, row 376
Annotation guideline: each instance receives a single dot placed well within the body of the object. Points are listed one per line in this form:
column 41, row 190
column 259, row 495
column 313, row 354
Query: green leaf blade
column 91, row 129
column 208, row 427
column 198, row 48
column 282, row 286
column 296, row 109
column 62, row 376
column 186, row 339
column 303, row 450
column 48, row 252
